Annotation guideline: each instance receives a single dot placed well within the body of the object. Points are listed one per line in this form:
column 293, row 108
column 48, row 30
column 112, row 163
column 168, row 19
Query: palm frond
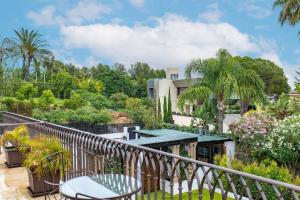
column 193, row 93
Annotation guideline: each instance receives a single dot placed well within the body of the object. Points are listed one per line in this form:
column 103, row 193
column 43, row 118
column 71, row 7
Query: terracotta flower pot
column 14, row 157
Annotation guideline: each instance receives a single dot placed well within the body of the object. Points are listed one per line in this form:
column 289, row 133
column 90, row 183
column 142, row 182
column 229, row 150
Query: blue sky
column 163, row 33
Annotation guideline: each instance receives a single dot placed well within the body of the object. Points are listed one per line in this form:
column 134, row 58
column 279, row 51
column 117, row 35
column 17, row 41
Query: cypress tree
column 165, row 110
column 159, row 110
column 170, row 116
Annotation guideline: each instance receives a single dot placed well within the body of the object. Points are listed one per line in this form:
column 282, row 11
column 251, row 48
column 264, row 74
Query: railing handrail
column 244, row 174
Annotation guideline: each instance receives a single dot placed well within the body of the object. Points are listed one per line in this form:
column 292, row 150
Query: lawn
column 185, row 196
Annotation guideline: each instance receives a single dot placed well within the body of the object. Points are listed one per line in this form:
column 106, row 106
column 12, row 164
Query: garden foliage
column 283, row 143
column 266, row 168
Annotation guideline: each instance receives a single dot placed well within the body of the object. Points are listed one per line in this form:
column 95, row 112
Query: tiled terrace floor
column 13, row 182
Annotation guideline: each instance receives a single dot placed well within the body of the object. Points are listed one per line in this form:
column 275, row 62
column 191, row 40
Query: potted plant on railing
column 15, row 145
column 40, row 169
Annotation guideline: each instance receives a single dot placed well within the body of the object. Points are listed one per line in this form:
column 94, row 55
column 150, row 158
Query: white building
column 159, row 88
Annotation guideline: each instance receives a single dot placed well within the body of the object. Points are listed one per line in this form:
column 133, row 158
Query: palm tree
column 249, row 87
column 37, row 69
column 221, row 77
column 6, row 52
column 30, row 46
column 290, row 11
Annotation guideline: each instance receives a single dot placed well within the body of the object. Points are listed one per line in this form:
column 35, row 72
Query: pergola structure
column 200, row 147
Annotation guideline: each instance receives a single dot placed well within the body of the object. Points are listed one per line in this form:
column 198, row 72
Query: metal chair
column 64, row 174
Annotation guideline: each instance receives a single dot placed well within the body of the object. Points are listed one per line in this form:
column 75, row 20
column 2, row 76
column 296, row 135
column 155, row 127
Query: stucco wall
column 186, row 120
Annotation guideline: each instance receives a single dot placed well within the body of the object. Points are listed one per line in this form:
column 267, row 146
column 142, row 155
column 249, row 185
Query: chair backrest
column 54, row 164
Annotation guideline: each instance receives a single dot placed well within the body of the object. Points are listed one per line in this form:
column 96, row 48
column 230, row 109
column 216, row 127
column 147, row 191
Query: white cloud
column 44, row 17
column 166, row 44
column 91, row 61
column 137, row 3
column 251, row 8
column 84, row 11
column 290, row 72
column 213, row 14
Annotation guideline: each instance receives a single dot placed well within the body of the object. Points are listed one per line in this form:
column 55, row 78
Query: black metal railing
column 100, row 128
column 163, row 175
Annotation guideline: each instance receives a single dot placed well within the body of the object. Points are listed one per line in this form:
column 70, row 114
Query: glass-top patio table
column 100, row 186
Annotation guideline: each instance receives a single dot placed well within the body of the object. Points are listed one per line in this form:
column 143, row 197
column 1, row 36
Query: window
column 174, row 76
column 151, row 93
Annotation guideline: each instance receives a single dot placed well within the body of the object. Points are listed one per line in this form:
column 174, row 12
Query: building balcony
column 162, row 175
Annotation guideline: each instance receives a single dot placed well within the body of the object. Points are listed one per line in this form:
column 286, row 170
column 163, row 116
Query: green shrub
column 94, row 86
column 26, row 91
column 40, row 114
column 90, row 115
column 18, row 137
column 74, row 102
column 283, row 142
column 285, row 106
column 250, row 133
column 133, row 103
column 100, row 101
column 46, row 100
column 119, row 100
column 54, row 116
column 41, row 147
column 25, row 107
column 266, row 168
column 297, row 181
column 3, row 107
column 10, row 103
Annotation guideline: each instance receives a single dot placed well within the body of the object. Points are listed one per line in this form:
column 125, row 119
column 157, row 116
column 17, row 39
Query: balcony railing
column 163, row 175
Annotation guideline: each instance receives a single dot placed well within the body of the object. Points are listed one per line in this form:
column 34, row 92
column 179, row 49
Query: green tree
column 219, row 81
column 37, row 69
column 113, row 80
column 63, row 84
column 254, row 93
column 273, row 77
column 159, row 109
column 95, row 86
column 170, row 116
column 165, row 106
column 141, row 73
column 289, row 12
column 6, row 52
column 30, row 45
column 141, row 113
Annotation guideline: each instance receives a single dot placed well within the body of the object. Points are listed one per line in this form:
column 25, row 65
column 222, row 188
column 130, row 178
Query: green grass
column 185, row 196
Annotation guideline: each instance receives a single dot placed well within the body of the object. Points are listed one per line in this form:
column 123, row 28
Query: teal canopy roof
column 169, row 137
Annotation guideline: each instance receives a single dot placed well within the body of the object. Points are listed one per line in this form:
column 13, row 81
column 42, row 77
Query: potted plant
column 42, row 167
column 15, row 145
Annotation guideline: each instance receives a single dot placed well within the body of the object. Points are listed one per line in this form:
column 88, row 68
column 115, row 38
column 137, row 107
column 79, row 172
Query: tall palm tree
column 249, row 87
column 290, row 11
column 221, row 77
column 30, row 46
column 37, row 69
column 6, row 52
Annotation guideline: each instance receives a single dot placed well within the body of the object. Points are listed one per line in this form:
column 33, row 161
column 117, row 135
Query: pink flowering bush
column 251, row 131
column 253, row 124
